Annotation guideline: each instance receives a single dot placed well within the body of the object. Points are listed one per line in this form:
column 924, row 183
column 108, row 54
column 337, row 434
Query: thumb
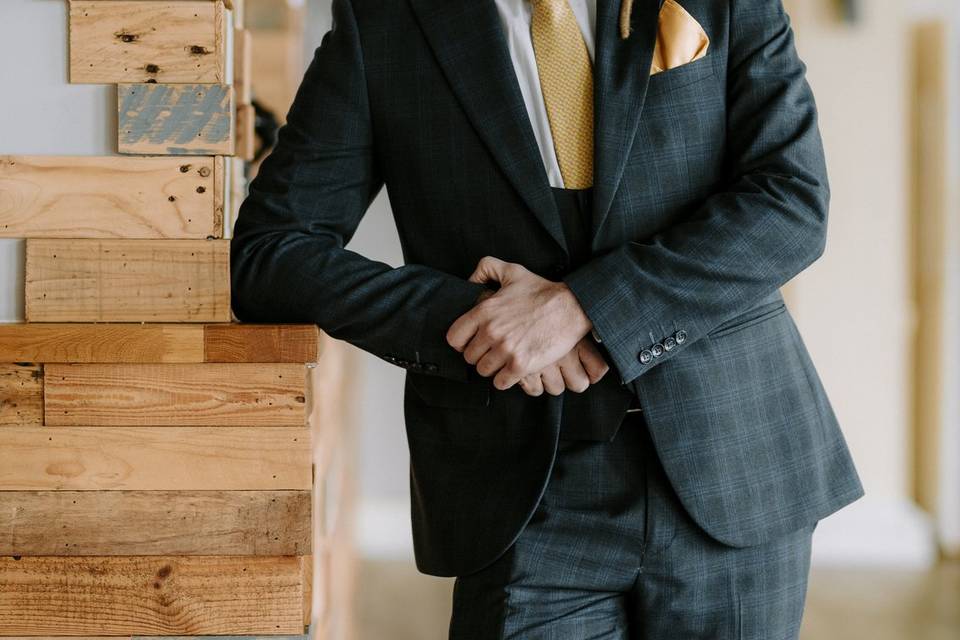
column 489, row 268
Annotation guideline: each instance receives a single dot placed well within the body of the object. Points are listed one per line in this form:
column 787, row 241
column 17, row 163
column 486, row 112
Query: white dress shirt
column 515, row 16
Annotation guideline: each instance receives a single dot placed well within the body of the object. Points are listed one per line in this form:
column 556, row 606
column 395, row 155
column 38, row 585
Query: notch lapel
column 621, row 73
column 469, row 44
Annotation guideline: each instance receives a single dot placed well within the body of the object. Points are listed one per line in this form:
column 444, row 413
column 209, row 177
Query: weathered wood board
column 159, row 342
column 112, row 280
column 147, row 41
column 305, row 636
column 151, row 595
column 306, row 570
column 175, row 119
column 148, row 459
column 247, row 342
column 108, row 197
column 229, row 4
column 242, row 65
column 241, row 394
column 245, row 146
column 126, row 523
column 21, row 394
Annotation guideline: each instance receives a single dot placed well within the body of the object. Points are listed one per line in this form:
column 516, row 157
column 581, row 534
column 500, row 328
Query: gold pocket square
column 680, row 38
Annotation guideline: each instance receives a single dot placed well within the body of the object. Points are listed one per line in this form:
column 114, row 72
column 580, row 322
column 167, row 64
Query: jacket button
column 669, row 343
column 657, row 350
column 646, row 356
column 430, row 367
column 681, row 336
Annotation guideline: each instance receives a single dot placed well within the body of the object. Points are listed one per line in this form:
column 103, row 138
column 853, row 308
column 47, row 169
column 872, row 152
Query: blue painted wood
column 175, row 119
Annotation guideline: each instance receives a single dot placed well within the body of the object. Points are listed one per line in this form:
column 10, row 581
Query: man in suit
column 615, row 428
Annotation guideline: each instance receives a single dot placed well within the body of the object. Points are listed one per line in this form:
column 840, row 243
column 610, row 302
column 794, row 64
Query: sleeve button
column 646, row 356
column 669, row 343
column 681, row 336
column 657, row 350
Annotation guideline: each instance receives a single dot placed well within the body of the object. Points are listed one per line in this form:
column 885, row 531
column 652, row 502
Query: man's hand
column 576, row 371
column 529, row 323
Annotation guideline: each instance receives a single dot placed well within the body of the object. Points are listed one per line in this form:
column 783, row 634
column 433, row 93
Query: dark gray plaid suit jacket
column 710, row 193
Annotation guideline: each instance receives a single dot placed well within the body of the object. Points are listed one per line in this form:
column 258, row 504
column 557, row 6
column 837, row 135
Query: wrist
column 581, row 321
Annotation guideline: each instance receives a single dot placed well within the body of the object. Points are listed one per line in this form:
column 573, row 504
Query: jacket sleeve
column 287, row 257
column 763, row 227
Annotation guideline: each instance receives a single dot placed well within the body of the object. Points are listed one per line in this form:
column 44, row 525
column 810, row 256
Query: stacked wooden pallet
column 157, row 460
column 155, row 479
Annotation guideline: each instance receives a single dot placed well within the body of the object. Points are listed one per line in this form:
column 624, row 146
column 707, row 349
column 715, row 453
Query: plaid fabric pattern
column 710, row 192
column 610, row 554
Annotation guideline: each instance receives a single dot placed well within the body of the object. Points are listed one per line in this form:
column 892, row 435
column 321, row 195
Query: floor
column 396, row 602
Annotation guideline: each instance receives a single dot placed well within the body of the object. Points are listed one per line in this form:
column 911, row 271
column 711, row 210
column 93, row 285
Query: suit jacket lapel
column 471, row 48
column 620, row 77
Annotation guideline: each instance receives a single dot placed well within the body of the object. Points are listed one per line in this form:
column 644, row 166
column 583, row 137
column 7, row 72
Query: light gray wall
column 40, row 113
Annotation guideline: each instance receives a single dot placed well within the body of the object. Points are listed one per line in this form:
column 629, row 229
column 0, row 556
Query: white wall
column 40, row 113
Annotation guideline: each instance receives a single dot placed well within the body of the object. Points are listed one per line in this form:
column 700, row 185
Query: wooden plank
column 21, row 394
column 175, row 119
column 245, row 146
column 71, row 637
column 113, row 280
column 107, row 197
column 247, row 342
column 121, row 523
column 242, row 394
column 162, row 458
column 228, row 4
column 304, row 636
column 151, row 595
column 307, row 568
column 101, row 342
column 158, row 342
column 147, row 41
column 219, row 194
column 242, row 65
column 237, row 168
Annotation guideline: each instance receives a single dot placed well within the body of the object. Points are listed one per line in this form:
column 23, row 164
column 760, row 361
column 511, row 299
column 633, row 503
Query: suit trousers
column 610, row 553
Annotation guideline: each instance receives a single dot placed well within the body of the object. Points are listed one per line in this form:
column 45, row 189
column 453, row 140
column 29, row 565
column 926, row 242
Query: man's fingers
column 490, row 363
column 532, row 385
column 489, row 268
column 507, row 377
column 475, row 349
column 593, row 363
column 574, row 377
column 463, row 329
column 553, row 380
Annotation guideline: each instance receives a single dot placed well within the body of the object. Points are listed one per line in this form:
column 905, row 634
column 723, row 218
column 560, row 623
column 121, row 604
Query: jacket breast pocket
column 436, row 391
column 691, row 77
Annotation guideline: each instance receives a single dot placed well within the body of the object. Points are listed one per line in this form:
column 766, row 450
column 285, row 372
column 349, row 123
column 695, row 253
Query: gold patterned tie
column 566, row 79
